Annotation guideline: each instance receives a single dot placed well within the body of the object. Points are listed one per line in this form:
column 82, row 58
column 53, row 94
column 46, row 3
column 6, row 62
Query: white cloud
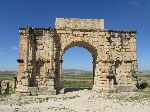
column 14, row 48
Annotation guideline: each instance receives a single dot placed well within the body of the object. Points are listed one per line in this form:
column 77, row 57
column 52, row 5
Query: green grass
column 145, row 78
column 84, row 80
column 77, row 84
column 6, row 76
column 77, row 80
column 69, row 80
column 3, row 95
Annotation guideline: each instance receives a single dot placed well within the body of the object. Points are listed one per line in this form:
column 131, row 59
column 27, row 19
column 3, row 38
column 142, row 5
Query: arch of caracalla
column 41, row 50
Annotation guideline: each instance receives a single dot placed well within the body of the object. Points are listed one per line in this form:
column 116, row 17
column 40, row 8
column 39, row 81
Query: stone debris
column 5, row 87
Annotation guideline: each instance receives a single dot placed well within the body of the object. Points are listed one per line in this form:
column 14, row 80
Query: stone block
column 76, row 23
column 5, row 87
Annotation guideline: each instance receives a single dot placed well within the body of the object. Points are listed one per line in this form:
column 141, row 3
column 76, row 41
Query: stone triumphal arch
column 41, row 50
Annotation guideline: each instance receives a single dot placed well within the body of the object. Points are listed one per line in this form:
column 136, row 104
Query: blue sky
column 118, row 15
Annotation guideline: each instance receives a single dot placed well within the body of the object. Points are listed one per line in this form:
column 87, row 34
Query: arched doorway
column 77, row 69
column 58, row 72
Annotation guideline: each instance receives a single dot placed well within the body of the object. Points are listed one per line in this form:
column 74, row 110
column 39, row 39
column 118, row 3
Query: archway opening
column 78, row 69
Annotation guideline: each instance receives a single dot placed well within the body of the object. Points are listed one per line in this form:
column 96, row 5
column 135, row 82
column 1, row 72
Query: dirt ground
column 78, row 101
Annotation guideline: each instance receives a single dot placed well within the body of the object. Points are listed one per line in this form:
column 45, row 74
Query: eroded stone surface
column 77, row 23
column 109, row 48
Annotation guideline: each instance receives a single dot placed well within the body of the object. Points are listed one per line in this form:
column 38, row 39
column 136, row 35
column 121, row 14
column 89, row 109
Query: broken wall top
column 76, row 23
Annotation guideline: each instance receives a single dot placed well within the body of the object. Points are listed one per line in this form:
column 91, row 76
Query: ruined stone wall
column 108, row 48
column 42, row 55
column 122, row 54
column 7, row 86
column 114, row 52
column 39, row 55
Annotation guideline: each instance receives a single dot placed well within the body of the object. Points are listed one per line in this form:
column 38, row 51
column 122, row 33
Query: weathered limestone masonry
column 5, row 87
column 41, row 50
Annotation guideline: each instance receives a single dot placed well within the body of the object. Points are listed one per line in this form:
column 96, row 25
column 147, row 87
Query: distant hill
column 7, row 75
column 75, row 71
column 144, row 72
column 8, row 72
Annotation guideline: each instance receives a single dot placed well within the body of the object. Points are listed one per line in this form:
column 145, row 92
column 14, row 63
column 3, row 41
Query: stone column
column 93, row 70
column 26, row 50
column 58, row 77
column 23, row 89
column 111, row 77
column 50, row 82
column 133, row 75
column 61, row 90
column 51, row 57
column 25, row 76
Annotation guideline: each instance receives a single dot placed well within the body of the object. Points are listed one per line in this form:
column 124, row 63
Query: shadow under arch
column 88, row 47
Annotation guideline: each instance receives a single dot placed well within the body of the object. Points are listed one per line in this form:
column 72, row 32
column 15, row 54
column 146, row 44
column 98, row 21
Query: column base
column 23, row 91
column 35, row 91
column 46, row 89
